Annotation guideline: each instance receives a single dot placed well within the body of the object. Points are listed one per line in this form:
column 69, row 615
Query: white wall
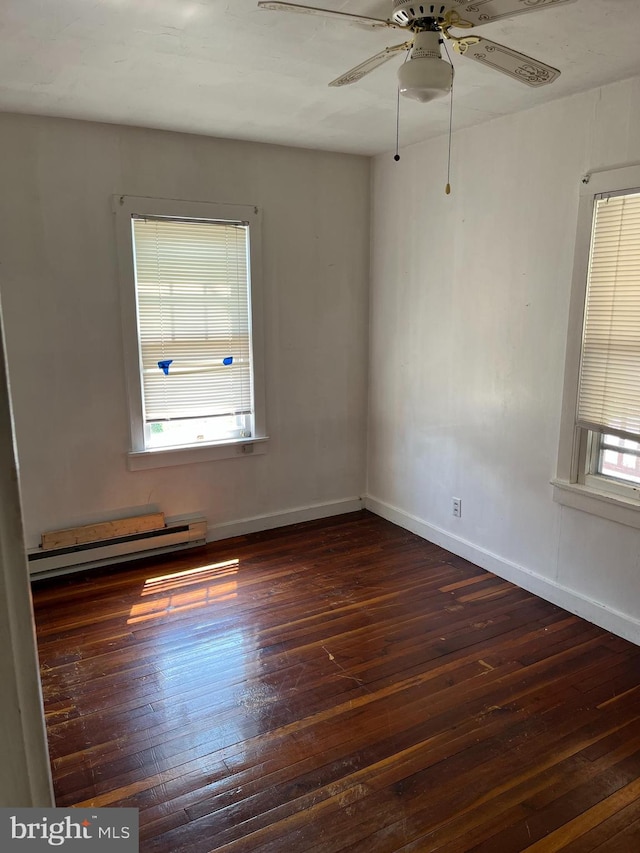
column 469, row 309
column 62, row 317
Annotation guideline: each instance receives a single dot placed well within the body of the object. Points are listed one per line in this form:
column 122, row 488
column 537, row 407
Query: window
column 599, row 460
column 191, row 315
column 617, row 457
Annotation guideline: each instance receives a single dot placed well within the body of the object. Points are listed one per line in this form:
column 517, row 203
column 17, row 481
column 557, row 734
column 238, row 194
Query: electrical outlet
column 457, row 507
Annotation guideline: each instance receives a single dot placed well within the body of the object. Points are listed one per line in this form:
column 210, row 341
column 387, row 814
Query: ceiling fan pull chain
column 447, row 189
column 397, row 154
column 407, row 45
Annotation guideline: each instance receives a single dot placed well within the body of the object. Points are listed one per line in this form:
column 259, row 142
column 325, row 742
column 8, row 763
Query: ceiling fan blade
column 486, row 11
column 511, row 62
column 327, row 13
column 357, row 73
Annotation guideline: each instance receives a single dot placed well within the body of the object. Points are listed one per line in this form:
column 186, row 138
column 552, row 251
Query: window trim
column 139, row 457
column 574, row 485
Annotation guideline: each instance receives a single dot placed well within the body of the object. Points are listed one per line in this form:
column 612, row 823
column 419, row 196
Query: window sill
column 165, row 457
column 607, row 505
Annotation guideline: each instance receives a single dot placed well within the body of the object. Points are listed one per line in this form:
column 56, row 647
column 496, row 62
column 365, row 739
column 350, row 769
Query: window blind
column 609, row 385
column 193, row 317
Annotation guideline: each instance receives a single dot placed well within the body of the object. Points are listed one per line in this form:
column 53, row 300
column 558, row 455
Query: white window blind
column 609, row 384
column 192, row 293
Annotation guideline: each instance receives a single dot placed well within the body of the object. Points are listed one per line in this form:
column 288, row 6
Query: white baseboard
column 258, row 523
column 618, row 623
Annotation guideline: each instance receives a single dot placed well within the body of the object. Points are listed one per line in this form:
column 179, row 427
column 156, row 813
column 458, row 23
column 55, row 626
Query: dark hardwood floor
column 340, row 685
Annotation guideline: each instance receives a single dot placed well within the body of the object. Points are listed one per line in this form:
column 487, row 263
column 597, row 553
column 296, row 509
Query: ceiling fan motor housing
column 407, row 11
column 426, row 46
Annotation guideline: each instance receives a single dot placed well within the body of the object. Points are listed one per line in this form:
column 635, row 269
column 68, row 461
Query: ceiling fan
column 425, row 75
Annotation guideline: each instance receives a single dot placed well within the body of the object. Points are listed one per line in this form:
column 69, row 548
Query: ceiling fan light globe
column 425, row 79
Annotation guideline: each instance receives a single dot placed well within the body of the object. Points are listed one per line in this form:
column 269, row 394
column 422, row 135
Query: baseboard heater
column 173, row 536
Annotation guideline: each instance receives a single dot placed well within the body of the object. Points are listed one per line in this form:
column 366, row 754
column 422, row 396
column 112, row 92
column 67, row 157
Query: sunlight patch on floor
column 168, row 594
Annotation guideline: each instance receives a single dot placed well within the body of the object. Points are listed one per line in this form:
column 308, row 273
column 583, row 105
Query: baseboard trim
column 257, row 523
column 612, row 620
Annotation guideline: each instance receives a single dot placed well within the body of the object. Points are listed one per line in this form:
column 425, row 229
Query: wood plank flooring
column 340, row 685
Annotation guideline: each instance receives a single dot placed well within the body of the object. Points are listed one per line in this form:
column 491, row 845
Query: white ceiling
column 229, row 69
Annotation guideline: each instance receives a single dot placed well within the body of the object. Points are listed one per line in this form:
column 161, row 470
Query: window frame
column 139, row 456
column 577, row 483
